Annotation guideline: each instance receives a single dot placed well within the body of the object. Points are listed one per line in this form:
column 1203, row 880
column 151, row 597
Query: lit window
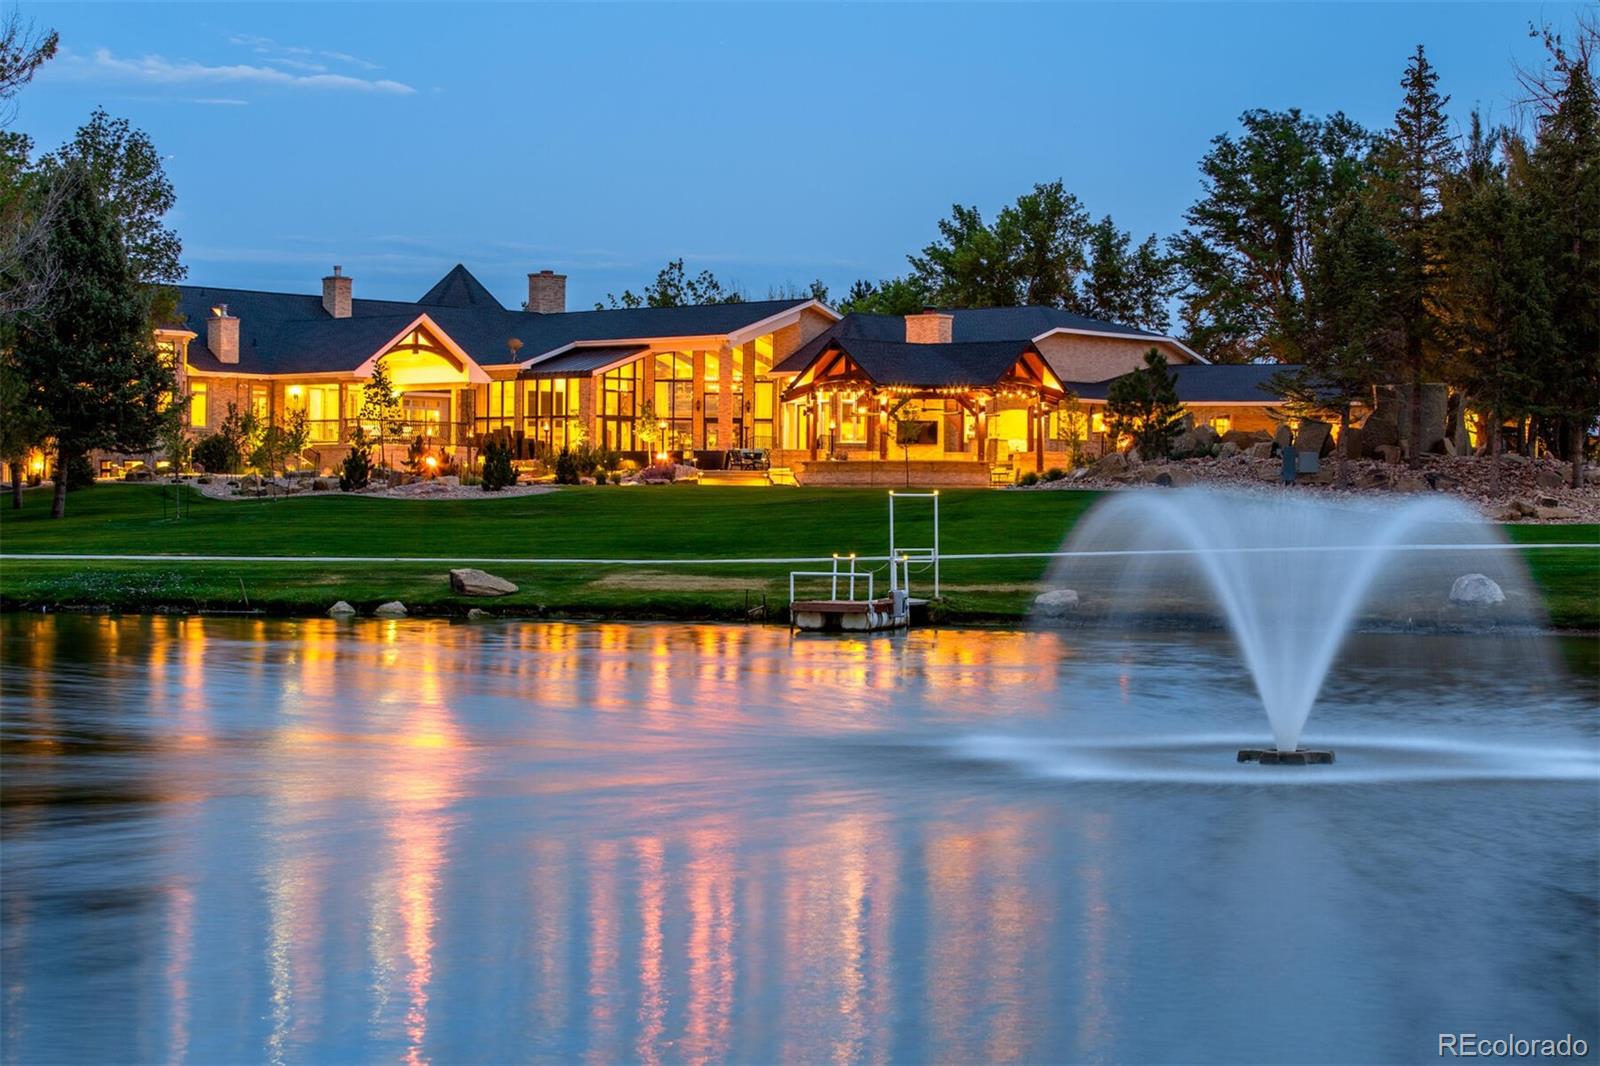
column 197, row 403
column 1097, row 422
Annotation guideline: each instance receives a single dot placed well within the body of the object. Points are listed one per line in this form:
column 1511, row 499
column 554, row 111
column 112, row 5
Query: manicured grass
column 678, row 522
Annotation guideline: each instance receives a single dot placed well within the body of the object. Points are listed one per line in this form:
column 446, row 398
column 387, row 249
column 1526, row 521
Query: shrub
column 616, row 477
column 1030, row 478
column 357, row 472
column 567, row 467
column 497, row 469
column 1055, row 473
column 219, row 453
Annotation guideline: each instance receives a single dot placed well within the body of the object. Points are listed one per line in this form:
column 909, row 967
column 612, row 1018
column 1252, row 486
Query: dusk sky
column 769, row 143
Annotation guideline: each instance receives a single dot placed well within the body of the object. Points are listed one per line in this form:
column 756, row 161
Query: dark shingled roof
column 1200, row 384
column 582, row 360
column 1020, row 324
column 289, row 333
column 460, row 289
column 962, row 364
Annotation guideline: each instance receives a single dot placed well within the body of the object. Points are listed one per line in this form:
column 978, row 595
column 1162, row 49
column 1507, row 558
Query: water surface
column 237, row 840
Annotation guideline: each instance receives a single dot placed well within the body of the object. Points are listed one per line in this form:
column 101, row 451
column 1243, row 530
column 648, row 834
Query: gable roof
column 291, row 333
column 968, row 364
column 978, row 324
column 578, row 361
column 459, row 288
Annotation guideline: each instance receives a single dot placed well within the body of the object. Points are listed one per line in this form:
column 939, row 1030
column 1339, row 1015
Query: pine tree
column 1418, row 157
column 1144, row 405
column 1564, row 189
column 87, row 355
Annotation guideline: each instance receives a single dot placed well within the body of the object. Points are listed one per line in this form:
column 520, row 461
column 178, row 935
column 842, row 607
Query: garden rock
column 1549, row 479
column 467, row 581
column 1389, row 453
column 1262, row 450
column 1056, row 602
column 478, row 614
column 1556, row 512
column 1110, row 465
column 341, row 610
column 392, row 609
column 1227, row 450
column 1475, row 590
column 1314, row 436
column 321, row 485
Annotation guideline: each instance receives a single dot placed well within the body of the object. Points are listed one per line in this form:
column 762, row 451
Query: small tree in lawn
column 380, row 404
column 87, row 356
column 907, row 431
column 1143, row 404
column 647, row 429
column 175, row 439
column 1072, row 428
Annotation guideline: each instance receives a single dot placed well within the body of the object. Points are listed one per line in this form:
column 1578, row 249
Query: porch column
column 515, row 385
column 698, row 429
column 981, row 438
column 815, row 430
column 746, row 414
column 344, row 426
column 1038, row 436
column 725, row 357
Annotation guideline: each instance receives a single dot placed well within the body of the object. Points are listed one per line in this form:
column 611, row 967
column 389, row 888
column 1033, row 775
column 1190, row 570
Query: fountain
column 1289, row 575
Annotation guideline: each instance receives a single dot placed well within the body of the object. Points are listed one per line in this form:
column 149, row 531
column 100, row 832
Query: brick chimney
column 222, row 334
column 930, row 327
column 336, row 294
column 547, row 293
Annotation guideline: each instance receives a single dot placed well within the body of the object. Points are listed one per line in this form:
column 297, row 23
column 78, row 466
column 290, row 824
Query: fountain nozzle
column 1274, row 757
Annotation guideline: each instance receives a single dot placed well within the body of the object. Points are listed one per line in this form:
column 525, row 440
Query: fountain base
column 1274, row 757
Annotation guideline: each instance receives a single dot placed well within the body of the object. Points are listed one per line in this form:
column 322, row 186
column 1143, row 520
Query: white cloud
column 159, row 70
column 292, row 55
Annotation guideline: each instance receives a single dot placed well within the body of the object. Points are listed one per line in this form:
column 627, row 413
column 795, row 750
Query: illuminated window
column 550, row 411
column 674, row 399
column 499, row 406
column 853, row 420
column 1222, row 423
column 197, row 404
column 618, row 399
column 1097, row 422
column 261, row 402
column 712, row 397
column 766, row 392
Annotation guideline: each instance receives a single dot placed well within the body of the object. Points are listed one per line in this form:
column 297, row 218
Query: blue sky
column 769, row 143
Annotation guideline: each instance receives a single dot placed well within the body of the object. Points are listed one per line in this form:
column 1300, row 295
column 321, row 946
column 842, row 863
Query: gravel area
column 1531, row 490
column 435, row 489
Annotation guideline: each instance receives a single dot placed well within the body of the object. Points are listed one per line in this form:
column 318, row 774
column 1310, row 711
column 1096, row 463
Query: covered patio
column 931, row 412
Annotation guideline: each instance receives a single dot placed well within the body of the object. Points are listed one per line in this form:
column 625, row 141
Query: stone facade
column 1081, row 357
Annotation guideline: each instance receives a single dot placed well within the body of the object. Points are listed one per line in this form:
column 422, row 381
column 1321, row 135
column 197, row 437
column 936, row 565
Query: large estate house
column 830, row 398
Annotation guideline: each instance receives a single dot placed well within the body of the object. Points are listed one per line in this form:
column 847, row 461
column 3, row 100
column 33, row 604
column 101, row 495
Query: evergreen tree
column 1144, row 405
column 1417, row 158
column 87, row 355
column 1563, row 175
column 1123, row 284
column 1495, row 300
column 380, row 405
column 1344, row 323
column 1247, row 249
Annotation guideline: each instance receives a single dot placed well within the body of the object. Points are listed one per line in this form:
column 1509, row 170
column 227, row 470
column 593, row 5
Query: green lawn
column 670, row 522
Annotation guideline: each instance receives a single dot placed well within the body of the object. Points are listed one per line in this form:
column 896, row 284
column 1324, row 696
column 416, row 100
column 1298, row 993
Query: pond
column 233, row 839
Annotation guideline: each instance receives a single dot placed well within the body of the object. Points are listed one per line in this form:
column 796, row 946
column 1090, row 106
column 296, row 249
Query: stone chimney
column 547, row 293
column 336, row 294
column 930, row 327
column 222, row 334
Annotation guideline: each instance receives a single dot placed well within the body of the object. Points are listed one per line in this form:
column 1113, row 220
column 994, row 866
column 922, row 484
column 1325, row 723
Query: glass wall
column 618, row 405
column 499, row 406
column 765, row 400
column 713, row 398
column 674, row 399
column 198, row 413
column 321, row 406
column 550, row 410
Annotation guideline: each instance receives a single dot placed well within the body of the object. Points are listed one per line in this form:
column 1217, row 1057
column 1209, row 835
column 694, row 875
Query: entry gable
column 424, row 354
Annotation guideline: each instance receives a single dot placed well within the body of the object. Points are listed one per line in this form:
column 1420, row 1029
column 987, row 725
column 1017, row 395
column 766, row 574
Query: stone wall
column 1075, row 357
column 945, row 473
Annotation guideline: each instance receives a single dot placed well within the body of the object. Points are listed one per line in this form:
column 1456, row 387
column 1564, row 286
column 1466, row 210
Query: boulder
column 478, row 614
column 1056, row 602
column 1167, row 475
column 1557, row 512
column 341, row 610
column 1525, row 508
column 1314, row 437
column 1350, row 440
column 1262, row 450
column 1283, row 436
column 1109, row 465
column 1547, row 501
column 321, row 485
column 392, row 609
column 1227, row 449
column 467, row 581
column 1390, row 453
column 1475, row 590
column 1548, row 478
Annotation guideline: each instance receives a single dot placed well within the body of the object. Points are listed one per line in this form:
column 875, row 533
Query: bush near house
column 497, row 469
column 218, row 453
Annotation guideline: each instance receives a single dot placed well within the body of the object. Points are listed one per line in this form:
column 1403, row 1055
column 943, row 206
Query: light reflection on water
column 235, row 840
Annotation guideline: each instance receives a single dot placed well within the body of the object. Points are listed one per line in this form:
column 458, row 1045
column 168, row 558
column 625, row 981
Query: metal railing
column 835, row 576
